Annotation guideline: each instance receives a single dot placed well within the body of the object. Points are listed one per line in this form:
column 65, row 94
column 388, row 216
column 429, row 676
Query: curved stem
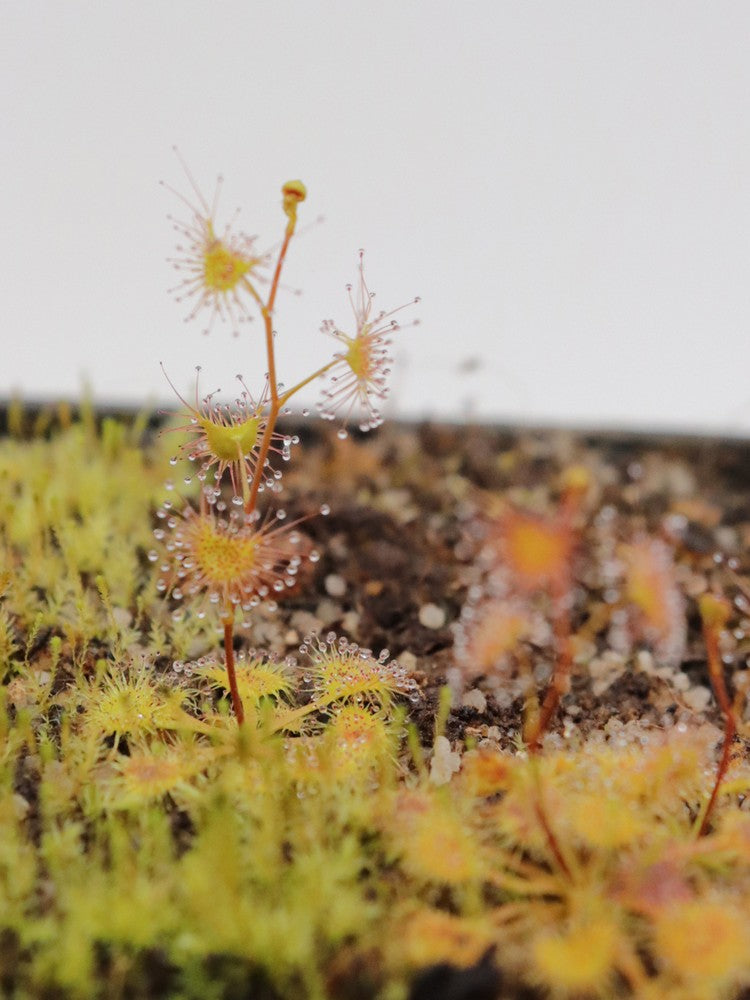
column 276, row 404
column 239, row 711
column 310, row 378
column 543, row 819
column 267, row 311
column 265, row 447
column 551, row 839
column 716, row 674
column 729, row 731
column 272, row 381
column 279, row 264
column 251, row 288
column 560, row 682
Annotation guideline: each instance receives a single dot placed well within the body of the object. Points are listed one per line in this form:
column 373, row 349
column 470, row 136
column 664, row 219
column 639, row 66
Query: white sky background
column 565, row 184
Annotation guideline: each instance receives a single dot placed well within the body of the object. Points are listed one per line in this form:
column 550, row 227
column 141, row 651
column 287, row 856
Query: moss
column 151, row 847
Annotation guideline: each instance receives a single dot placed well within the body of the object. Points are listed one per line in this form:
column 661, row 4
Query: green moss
column 149, row 847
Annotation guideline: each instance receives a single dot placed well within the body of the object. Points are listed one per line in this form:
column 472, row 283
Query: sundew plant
column 227, row 551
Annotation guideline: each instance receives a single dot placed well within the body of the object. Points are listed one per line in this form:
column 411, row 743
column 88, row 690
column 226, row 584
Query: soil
column 407, row 507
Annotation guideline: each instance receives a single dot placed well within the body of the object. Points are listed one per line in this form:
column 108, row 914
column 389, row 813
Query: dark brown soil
column 402, row 534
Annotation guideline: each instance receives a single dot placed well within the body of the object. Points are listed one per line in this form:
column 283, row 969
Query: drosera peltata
column 226, row 549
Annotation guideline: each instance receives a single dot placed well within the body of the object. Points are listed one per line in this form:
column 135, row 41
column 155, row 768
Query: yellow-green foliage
column 74, row 529
column 141, row 827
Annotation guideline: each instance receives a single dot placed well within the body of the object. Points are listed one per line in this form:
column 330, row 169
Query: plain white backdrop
column 565, row 184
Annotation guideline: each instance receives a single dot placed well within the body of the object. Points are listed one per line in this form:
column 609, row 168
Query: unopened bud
column 294, row 192
column 715, row 611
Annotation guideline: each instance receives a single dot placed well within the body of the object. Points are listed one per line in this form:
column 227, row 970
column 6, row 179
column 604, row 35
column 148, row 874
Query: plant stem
column 729, row 730
column 267, row 311
column 560, row 682
column 310, row 378
column 543, row 820
column 551, row 839
column 716, row 674
column 265, row 446
column 239, row 711
column 276, row 404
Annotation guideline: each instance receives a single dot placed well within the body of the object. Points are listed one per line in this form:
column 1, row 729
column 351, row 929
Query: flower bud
column 715, row 611
column 294, row 192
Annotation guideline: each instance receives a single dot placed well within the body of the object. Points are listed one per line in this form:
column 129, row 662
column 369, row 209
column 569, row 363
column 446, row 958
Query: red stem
column 239, row 711
column 716, row 673
column 275, row 407
column 549, row 834
column 558, row 685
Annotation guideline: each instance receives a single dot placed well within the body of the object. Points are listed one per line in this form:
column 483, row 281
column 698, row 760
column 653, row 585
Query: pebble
column 697, row 698
column 399, row 503
column 335, row 585
column 431, row 616
column 327, row 611
column 681, row 681
column 605, row 670
column 474, row 699
column 350, row 622
column 445, row 762
column 304, row 622
column 408, row 661
column 644, row 661
column 727, row 538
column 457, row 486
column 337, row 547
